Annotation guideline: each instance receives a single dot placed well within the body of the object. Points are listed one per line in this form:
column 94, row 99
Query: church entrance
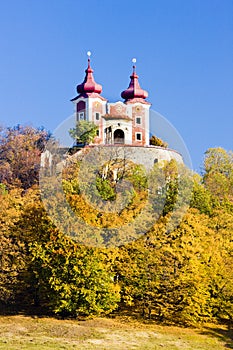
column 119, row 136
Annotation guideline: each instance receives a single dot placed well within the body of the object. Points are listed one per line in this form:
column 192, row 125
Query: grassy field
column 20, row 332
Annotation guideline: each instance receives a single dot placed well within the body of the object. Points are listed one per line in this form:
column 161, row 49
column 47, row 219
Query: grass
column 22, row 332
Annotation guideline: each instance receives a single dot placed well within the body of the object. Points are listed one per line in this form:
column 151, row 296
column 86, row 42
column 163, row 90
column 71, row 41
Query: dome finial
column 134, row 90
column 134, row 60
column 89, row 60
column 89, row 85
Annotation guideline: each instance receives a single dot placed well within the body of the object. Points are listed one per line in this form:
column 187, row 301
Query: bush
column 156, row 141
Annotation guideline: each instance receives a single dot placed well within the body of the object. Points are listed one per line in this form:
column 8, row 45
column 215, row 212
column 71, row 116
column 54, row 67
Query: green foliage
column 105, row 189
column 201, row 197
column 74, row 278
column 106, row 185
column 3, row 189
column 218, row 177
column 138, row 178
column 84, row 132
column 171, row 187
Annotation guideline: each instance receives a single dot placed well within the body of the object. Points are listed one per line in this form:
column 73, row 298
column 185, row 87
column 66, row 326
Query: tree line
column 181, row 275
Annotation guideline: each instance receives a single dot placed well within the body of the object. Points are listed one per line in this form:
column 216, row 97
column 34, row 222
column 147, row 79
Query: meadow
column 24, row 332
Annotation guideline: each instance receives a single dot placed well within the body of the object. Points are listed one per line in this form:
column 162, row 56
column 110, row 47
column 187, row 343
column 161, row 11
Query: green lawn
column 20, row 332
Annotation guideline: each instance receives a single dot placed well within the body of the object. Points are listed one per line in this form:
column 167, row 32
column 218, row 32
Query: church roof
column 116, row 116
column 134, row 91
column 89, row 85
column 89, row 94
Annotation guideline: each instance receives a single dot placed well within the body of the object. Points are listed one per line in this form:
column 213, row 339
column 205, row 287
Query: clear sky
column 184, row 51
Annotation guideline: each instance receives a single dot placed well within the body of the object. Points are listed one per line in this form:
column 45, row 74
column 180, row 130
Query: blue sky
column 184, row 52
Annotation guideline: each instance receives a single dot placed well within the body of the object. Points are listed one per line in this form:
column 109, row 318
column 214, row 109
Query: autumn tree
column 156, row 141
column 15, row 238
column 218, row 176
column 75, row 279
column 11, row 249
column 20, row 150
column 201, row 196
column 178, row 270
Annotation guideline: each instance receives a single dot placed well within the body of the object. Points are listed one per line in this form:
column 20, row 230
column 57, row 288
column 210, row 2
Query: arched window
column 119, row 136
column 81, row 110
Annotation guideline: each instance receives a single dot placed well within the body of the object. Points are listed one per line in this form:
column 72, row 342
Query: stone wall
column 147, row 155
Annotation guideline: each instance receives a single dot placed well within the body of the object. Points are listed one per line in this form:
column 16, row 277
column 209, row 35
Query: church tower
column 89, row 104
column 138, row 109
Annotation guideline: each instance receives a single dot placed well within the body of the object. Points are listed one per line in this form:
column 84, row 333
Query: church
column 124, row 124
column 119, row 123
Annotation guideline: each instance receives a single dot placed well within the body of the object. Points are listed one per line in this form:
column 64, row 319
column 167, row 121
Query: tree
column 172, row 276
column 75, row 278
column 20, row 223
column 156, row 141
column 84, row 132
column 20, row 150
column 218, row 177
column 42, row 267
column 11, row 248
column 201, row 197
column 179, row 271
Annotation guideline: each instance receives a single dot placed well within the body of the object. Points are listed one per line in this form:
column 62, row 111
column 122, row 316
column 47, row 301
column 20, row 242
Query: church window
column 81, row 116
column 97, row 116
column 81, row 110
column 138, row 136
column 81, row 106
column 97, row 132
column 138, row 120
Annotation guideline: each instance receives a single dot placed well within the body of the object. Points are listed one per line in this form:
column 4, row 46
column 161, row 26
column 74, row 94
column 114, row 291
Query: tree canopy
column 182, row 275
column 84, row 132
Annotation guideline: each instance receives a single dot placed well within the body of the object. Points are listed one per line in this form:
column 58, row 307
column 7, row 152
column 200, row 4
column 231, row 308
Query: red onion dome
column 134, row 90
column 89, row 84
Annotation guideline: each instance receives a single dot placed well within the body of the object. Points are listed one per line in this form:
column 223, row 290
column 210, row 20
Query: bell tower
column 137, row 109
column 89, row 104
